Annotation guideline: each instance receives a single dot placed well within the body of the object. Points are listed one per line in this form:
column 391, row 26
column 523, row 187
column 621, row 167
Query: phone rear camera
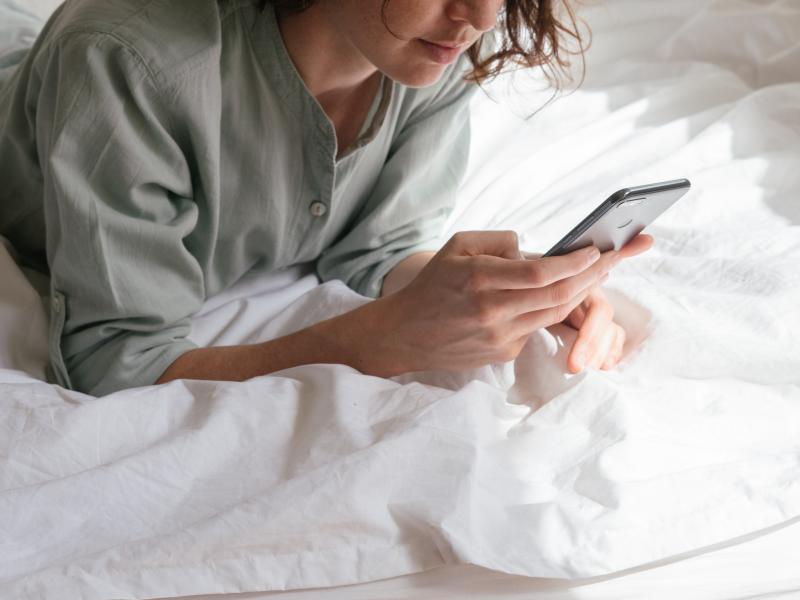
column 631, row 203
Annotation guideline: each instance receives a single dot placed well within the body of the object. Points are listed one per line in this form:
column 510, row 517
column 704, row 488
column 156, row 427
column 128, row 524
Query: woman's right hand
column 475, row 303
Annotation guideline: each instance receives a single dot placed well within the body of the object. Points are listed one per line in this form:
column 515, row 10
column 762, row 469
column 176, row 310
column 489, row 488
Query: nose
column 481, row 15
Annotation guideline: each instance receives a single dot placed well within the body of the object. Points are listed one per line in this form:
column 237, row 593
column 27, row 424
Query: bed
column 676, row 475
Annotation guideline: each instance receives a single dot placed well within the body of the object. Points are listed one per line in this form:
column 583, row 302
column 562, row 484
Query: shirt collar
column 289, row 85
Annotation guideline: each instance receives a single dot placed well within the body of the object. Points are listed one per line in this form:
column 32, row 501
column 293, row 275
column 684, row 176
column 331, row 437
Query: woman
column 156, row 150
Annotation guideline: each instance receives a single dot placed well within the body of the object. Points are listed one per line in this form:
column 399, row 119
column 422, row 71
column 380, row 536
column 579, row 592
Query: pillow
column 41, row 8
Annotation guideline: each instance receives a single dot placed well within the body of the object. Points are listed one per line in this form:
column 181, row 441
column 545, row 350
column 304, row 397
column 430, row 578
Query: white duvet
column 319, row 476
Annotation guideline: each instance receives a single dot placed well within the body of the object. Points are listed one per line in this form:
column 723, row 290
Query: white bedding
column 320, row 476
column 760, row 566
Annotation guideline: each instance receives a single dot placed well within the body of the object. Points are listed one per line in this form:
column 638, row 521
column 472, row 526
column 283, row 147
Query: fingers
column 641, row 243
column 529, row 322
column 593, row 342
column 493, row 273
column 558, row 268
column 603, row 352
column 602, row 346
column 576, row 317
column 511, row 303
column 615, row 353
column 494, row 261
column 503, row 244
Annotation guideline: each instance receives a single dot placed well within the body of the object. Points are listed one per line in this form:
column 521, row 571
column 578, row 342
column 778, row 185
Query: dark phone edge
column 580, row 228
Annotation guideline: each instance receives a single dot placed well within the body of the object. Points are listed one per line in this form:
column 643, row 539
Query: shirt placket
column 318, row 199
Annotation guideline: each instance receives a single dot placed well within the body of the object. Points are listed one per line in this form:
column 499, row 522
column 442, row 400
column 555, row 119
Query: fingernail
column 592, row 253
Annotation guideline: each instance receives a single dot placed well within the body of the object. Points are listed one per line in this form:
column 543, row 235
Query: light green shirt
column 154, row 151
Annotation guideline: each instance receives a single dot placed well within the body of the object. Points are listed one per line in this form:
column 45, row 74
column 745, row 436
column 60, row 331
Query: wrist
column 404, row 272
column 359, row 339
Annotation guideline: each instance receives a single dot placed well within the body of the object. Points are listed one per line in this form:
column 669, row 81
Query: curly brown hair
column 534, row 33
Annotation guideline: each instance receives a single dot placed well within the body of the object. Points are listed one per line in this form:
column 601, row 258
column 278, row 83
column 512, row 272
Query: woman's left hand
column 600, row 340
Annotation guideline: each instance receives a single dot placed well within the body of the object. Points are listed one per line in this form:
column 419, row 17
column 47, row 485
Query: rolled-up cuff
column 132, row 360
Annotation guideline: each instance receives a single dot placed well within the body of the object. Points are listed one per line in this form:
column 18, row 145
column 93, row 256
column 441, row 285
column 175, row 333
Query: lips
column 442, row 53
column 446, row 44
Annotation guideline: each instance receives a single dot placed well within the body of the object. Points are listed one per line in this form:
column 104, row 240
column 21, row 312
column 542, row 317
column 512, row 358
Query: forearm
column 352, row 339
column 404, row 272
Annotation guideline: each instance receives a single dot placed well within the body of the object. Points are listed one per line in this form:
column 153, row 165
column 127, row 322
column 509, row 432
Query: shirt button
column 57, row 304
column 318, row 208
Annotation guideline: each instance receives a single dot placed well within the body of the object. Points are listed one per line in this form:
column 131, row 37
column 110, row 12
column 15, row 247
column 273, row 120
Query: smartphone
column 621, row 217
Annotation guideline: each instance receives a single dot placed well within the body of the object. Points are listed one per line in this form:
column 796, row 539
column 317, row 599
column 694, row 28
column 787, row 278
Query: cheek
column 397, row 52
column 408, row 18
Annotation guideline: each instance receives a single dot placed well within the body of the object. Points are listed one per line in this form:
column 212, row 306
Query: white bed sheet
column 319, row 476
column 762, row 565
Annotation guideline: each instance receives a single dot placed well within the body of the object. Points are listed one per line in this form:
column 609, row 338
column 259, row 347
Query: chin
column 419, row 76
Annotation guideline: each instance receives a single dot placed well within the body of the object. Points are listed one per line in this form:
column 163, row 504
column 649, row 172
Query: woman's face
column 416, row 56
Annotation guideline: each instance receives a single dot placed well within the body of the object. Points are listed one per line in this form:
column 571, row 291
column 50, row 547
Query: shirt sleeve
column 118, row 207
column 415, row 191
